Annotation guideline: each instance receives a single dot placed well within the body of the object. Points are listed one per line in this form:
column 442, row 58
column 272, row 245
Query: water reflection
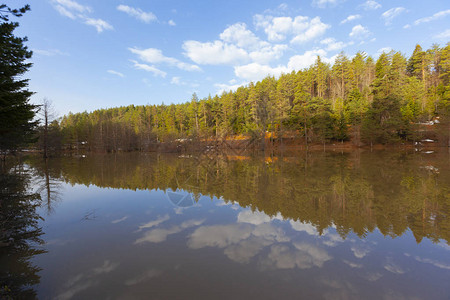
column 313, row 226
column 353, row 192
column 19, row 234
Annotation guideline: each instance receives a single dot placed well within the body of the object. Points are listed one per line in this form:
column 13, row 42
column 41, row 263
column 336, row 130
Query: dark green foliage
column 360, row 99
column 384, row 122
column 19, row 236
column 16, row 113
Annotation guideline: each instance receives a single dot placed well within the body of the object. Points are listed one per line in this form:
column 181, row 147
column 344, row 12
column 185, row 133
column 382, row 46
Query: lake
column 316, row 225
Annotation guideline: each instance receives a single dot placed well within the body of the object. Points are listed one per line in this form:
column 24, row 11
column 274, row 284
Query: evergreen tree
column 16, row 113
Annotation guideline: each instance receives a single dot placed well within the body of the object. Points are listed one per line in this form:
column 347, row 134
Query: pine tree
column 16, row 113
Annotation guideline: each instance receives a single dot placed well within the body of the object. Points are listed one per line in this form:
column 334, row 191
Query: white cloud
column 172, row 23
column 76, row 11
column 333, row 45
column 148, row 68
column 383, row 50
column 315, row 29
column 255, row 71
column 120, row 75
column 214, row 53
column 407, row 26
column 224, row 87
column 351, row 18
column 50, row 52
column 325, row 3
column 99, row 24
column 302, row 28
column 175, row 80
column 64, row 12
column 371, row 5
column 359, row 32
column 443, row 35
column 239, row 35
column 299, row 62
column 237, row 45
column 155, row 56
column 434, row 17
column 138, row 13
column 73, row 6
column 390, row 14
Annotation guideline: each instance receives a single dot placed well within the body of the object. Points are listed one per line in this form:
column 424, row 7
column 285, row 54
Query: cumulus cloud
column 333, row 45
column 226, row 87
column 155, row 56
column 172, row 23
column 390, row 14
column 237, row 45
column 299, row 62
column 214, row 53
column 301, row 28
column 255, row 71
column 137, row 13
column 351, row 18
column 371, row 5
column 76, row 11
column 359, row 32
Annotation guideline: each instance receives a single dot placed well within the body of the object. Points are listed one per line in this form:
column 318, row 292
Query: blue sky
column 100, row 54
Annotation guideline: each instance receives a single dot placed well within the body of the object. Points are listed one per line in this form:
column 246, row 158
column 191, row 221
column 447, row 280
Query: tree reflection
column 19, row 235
column 355, row 191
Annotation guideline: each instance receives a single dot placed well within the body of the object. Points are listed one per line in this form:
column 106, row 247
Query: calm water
column 355, row 225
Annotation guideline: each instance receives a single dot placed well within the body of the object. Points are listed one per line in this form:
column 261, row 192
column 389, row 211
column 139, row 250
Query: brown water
column 357, row 225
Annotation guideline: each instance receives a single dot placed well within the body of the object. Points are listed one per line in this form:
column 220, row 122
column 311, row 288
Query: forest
column 357, row 99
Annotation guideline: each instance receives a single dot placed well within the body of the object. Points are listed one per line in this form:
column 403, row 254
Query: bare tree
column 48, row 114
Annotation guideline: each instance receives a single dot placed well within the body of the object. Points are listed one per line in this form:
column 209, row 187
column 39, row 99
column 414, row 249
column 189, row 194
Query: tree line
column 355, row 98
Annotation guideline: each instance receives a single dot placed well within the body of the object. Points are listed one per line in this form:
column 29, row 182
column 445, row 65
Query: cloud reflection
column 160, row 234
column 85, row 280
column 303, row 256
